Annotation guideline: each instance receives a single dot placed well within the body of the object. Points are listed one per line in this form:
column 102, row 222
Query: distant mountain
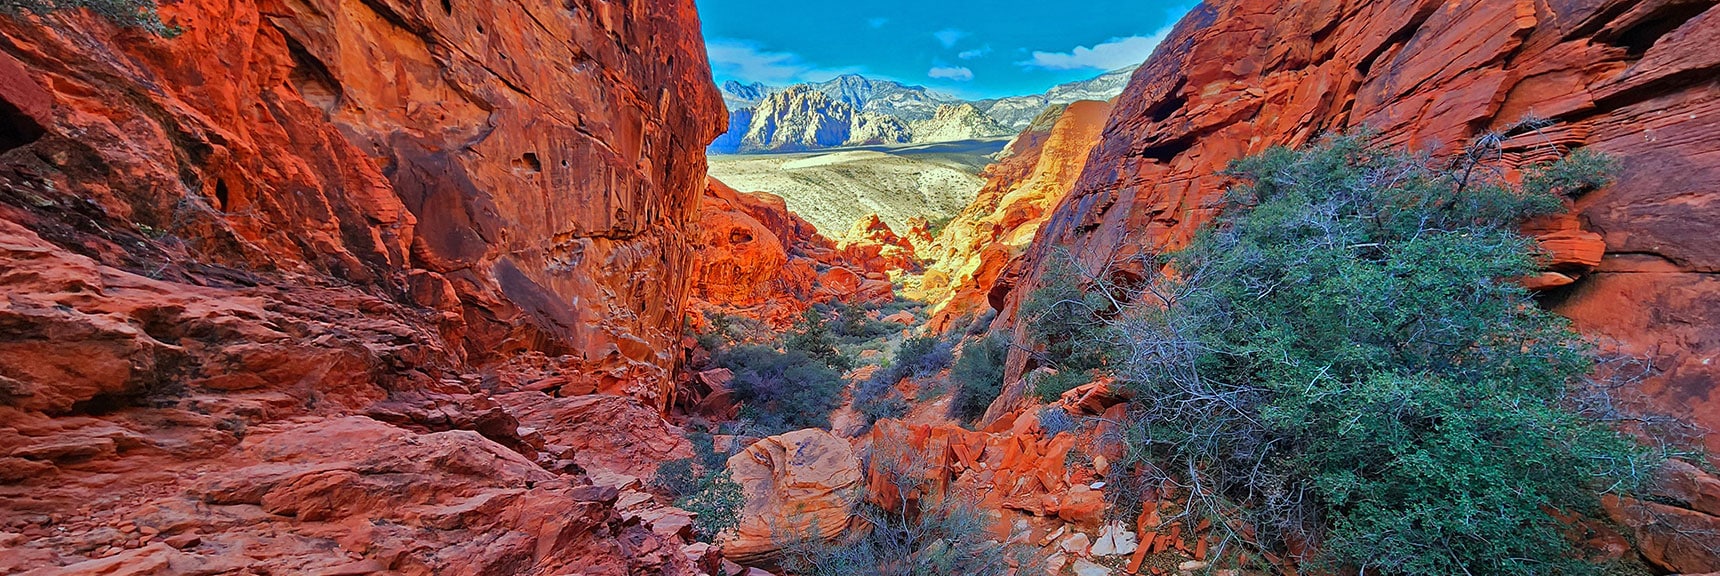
column 1018, row 112
column 803, row 118
column 957, row 122
column 852, row 110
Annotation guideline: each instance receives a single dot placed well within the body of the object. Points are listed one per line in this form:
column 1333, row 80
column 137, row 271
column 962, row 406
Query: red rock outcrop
column 535, row 173
column 874, row 246
column 253, row 277
column 757, row 259
column 1633, row 79
column 1039, row 167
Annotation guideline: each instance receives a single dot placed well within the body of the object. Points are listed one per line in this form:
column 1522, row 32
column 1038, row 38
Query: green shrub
column 978, row 375
column 812, row 336
column 782, row 391
column 877, row 397
column 1345, row 357
column 140, row 14
column 702, row 485
column 1070, row 321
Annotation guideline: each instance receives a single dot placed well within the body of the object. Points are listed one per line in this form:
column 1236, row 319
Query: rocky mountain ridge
column 893, row 112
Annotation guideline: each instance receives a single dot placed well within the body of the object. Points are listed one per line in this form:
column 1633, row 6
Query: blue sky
column 971, row 48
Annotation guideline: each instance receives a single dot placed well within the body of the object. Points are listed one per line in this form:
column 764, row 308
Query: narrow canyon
column 452, row 287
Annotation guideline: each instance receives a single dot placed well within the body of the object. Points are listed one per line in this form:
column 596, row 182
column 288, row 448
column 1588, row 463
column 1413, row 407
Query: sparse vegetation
column 1067, row 315
column 919, row 534
column 702, row 485
column 140, row 14
column 1344, row 360
column 978, row 375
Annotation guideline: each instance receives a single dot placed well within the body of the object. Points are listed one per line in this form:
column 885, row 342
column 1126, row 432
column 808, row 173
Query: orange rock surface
column 1039, row 168
column 257, row 280
column 798, row 485
column 757, row 259
column 1633, row 265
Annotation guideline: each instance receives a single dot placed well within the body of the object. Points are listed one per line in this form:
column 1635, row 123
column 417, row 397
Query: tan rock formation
column 795, row 484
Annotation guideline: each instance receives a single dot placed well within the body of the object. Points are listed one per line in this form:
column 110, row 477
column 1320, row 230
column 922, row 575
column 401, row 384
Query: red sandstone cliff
column 1630, row 79
column 1040, row 166
column 253, row 276
column 1634, row 264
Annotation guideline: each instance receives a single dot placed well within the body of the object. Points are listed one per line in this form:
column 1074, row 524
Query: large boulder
column 800, row 484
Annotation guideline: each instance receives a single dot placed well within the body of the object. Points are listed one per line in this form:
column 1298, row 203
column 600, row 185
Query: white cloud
column 1111, row 55
column 974, row 53
column 746, row 61
column 956, row 73
column 878, row 22
column 949, row 37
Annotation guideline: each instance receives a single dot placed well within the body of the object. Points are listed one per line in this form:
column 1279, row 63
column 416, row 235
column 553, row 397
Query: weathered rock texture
column 757, row 259
column 252, row 277
column 1039, row 167
column 802, row 484
column 1634, row 79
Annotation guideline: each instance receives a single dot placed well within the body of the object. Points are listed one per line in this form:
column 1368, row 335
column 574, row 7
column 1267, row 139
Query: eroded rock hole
column 1637, row 39
column 740, row 236
column 529, row 161
column 312, row 79
column 16, row 128
column 221, row 195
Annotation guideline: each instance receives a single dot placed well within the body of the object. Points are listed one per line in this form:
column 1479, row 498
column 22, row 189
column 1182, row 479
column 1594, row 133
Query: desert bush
column 140, row 14
column 1068, row 316
column 702, row 485
column 782, row 390
column 877, row 398
column 978, row 376
column 811, row 335
column 1344, row 359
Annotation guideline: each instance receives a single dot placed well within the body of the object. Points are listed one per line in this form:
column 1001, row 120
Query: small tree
column 140, row 14
column 978, row 375
column 812, row 336
column 782, row 390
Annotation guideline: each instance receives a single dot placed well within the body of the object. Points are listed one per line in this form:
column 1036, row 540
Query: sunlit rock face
column 1039, row 167
column 284, row 248
column 1633, row 264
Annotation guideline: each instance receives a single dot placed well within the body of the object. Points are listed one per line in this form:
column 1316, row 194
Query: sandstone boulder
column 805, row 483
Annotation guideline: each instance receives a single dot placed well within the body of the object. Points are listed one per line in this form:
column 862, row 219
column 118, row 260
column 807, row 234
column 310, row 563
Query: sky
column 970, row 48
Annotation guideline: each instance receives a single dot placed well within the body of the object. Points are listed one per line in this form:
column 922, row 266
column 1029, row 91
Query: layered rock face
column 254, row 275
column 1039, row 167
column 1631, row 79
column 758, row 259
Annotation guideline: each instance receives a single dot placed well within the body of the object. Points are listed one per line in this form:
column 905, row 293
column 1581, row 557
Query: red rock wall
column 1634, row 79
column 534, row 170
column 254, row 280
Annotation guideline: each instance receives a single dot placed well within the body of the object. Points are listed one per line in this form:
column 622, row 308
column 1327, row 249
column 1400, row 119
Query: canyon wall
column 1039, row 166
column 520, row 165
column 1633, row 79
column 259, row 280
